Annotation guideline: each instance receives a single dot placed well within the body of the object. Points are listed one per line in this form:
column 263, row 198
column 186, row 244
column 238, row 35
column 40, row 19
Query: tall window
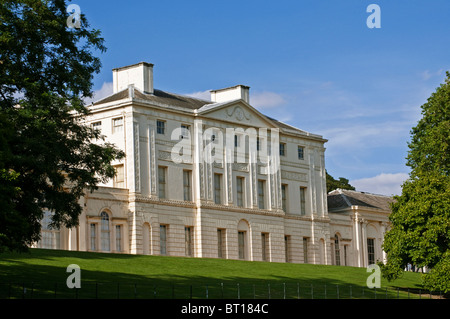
column 163, row 239
column 302, row 200
column 301, row 152
column 283, row 197
column 119, row 179
column 282, row 149
column 337, row 251
column 265, row 246
column 162, row 171
column 286, row 249
column 240, row 191
column 188, row 240
column 305, row 249
column 160, row 127
column 220, row 243
column 236, row 140
column 50, row 237
column 93, row 237
column 241, row 244
column 371, row 250
column 105, row 235
column 345, row 255
column 187, row 189
column 261, row 191
column 117, row 125
column 217, row 188
column 118, row 237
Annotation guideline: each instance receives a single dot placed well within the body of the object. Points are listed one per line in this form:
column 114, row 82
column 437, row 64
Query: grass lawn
column 42, row 273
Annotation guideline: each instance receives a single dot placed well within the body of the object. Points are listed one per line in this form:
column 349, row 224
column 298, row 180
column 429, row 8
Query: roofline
column 133, row 65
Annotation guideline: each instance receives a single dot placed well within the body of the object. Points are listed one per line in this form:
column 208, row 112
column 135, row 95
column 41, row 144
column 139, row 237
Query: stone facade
column 214, row 179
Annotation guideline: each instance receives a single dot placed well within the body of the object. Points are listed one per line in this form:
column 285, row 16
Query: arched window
column 337, row 252
column 105, row 234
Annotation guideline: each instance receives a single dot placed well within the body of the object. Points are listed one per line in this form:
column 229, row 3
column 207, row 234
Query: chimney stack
column 232, row 93
column 139, row 74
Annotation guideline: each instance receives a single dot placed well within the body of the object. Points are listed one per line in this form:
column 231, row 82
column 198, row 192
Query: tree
column 48, row 157
column 420, row 218
column 341, row 183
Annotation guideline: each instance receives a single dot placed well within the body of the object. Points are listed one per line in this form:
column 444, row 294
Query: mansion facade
column 217, row 179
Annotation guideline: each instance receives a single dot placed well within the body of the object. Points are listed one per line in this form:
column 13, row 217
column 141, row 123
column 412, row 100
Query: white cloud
column 266, row 100
column 203, row 95
column 427, row 74
column 384, row 184
column 104, row 91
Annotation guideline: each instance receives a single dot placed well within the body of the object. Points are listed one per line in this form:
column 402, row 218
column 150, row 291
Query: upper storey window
column 301, row 152
column 117, row 125
column 160, row 127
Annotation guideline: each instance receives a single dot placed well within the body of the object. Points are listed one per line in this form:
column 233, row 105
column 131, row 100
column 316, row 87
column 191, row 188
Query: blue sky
column 312, row 64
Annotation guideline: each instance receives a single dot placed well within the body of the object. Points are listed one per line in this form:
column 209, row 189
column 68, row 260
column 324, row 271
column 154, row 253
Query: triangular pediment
column 236, row 112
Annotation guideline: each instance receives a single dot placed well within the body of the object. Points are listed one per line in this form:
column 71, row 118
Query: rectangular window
column 345, row 255
column 217, row 188
column 282, row 149
column 305, row 249
column 261, row 194
column 118, row 237
column 97, row 125
column 258, row 146
column 236, row 140
column 240, row 191
column 286, row 249
column 117, row 125
column 371, row 250
column 162, row 171
column 163, row 239
column 185, row 131
column 188, row 233
column 221, row 243
column 283, row 197
column 241, row 244
column 302, row 200
column 93, row 237
column 187, row 188
column 301, row 152
column 265, row 246
column 337, row 251
column 119, row 179
column 160, row 127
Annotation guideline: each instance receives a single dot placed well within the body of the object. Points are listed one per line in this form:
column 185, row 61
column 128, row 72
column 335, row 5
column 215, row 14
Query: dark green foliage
column 48, row 158
column 420, row 217
column 341, row 183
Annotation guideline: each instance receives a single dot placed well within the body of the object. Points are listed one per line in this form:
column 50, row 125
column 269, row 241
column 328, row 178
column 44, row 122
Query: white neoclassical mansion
column 217, row 179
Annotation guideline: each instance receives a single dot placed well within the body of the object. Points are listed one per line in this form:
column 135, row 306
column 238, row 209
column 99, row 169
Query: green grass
column 43, row 275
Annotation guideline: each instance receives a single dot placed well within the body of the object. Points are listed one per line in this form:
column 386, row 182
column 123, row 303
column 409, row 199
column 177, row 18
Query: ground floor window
column 163, row 239
column 371, row 250
column 241, row 244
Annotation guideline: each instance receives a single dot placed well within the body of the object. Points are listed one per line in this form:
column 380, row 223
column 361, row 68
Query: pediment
column 236, row 112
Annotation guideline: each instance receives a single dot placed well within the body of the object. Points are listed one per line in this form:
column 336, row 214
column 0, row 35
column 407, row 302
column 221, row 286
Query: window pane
column 162, row 239
column 187, row 190
column 283, row 197
column 261, row 200
column 300, row 152
column 217, row 189
column 105, row 236
column 118, row 238
column 93, row 237
column 241, row 244
column 160, row 127
column 188, row 240
column 162, row 181
column 240, row 191
column 302, row 201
